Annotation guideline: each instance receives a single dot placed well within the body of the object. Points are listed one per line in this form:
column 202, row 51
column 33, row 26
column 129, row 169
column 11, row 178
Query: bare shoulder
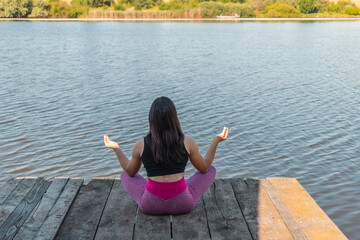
column 139, row 142
column 189, row 140
column 189, row 143
column 139, row 146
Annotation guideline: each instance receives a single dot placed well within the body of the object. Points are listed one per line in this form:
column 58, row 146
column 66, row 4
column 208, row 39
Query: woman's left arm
column 131, row 167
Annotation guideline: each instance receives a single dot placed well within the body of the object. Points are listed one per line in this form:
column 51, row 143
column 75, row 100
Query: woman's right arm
column 131, row 167
column 200, row 163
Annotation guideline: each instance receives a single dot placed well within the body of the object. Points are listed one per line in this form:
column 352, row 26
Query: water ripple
column 287, row 91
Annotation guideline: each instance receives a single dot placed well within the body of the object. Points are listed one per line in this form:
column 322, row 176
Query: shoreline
column 174, row 19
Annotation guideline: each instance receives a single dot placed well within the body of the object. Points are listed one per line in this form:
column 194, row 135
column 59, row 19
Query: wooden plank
column 152, row 227
column 57, row 213
column 118, row 218
column 84, row 215
column 288, row 218
column 8, row 188
column 22, row 211
column 38, row 216
column 15, row 197
column 224, row 215
column 309, row 216
column 260, row 213
column 192, row 225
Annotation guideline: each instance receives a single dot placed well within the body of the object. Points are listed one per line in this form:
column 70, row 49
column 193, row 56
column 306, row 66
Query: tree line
column 176, row 8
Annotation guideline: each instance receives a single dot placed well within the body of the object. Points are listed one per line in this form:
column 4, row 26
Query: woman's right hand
column 109, row 143
column 223, row 135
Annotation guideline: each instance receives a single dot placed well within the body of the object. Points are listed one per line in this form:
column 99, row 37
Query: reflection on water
column 289, row 93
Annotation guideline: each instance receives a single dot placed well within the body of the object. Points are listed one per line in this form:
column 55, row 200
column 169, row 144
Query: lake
column 288, row 91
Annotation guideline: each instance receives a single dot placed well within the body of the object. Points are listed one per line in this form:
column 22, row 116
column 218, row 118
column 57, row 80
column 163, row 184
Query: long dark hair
column 165, row 137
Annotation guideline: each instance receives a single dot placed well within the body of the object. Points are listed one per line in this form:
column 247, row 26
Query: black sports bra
column 154, row 169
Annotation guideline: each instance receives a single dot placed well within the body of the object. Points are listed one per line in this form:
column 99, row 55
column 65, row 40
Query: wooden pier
column 236, row 208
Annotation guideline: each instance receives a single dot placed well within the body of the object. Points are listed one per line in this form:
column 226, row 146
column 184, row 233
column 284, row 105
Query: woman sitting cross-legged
column 165, row 152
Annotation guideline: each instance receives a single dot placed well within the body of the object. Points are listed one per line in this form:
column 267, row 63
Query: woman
column 165, row 152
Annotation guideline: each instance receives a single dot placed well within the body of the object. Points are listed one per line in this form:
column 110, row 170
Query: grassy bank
column 203, row 10
column 175, row 8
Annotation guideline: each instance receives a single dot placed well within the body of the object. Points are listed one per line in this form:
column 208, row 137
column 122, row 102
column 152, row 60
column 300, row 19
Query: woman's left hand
column 109, row 143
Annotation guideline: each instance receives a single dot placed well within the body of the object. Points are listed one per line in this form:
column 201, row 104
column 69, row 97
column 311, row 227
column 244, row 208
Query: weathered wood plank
column 38, row 216
column 8, row 188
column 224, row 216
column 309, row 216
column 57, row 213
column 152, row 227
column 84, row 215
column 118, row 218
column 288, row 218
column 260, row 213
column 192, row 225
column 16, row 219
column 110, row 213
column 15, row 197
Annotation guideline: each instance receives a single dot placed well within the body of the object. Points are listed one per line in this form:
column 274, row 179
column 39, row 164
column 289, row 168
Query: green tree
column 99, row 3
column 40, row 9
column 322, row 5
column 340, row 6
column 59, row 9
column 352, row 11
column 143, row 4
column 15, row 8
column 307, row 6
column 79, row 7
column 213, row 9
column 120, row 7
column 281, row 10
column 172, row 5
column 293, row 3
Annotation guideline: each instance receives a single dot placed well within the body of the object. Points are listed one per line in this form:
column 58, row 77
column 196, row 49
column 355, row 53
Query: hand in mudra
column 223, row 135
column 109, row 143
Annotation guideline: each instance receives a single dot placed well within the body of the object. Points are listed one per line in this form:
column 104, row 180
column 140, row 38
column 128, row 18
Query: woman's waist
column 167, row 177
column 166, row 190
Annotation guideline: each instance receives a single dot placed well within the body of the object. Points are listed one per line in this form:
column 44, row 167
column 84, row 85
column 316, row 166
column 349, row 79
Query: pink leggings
column 182, row 203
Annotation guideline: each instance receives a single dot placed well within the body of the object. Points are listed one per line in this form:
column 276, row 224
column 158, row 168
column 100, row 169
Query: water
column 288, row 91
